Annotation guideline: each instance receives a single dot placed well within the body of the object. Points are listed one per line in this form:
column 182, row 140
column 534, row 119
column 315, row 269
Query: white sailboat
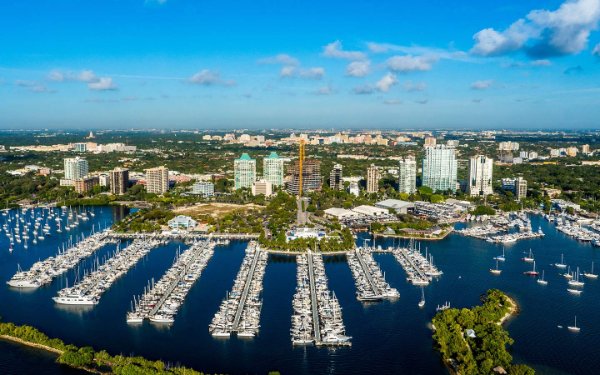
column 528, row 258
column 500, row 258
column 574, row 327
column 422, row 301
column 575, row 281
column 496, row 271
column 591, row 274
column 562, row 264
column 541, row 280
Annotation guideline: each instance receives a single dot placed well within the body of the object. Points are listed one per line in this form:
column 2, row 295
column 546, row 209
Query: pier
column 370, row 281
column 240, row 310
column 313, row 297
column 89, row 290
column 419, row 268
column 305, row 316
column 160, row 302
column 43, row 272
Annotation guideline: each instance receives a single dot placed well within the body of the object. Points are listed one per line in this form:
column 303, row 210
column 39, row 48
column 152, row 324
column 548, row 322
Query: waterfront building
column 335, row 178
column 182, row 222
column 373, row 177
column 157, row 180
column 440, row 168
column 399, row 206
column 480, row 175
column 407, row 175
column 76, row 168
column 119, row 181
column 311, row 176
column 244, row 170
column 204, row 188
column 83, row 185
column 273, row 169
column 262, row 187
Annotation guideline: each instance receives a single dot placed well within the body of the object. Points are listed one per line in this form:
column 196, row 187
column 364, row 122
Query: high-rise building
column 354, row 189
column 75, row 168
column 373, row 177
column 244, row 171
column 480, row 175
column 311, row 176
column 157, row 180
column 572, row 151
column 119, row 181
column 430, row 142
column 520, row 188
column 262, row 187
column 273, row 169
column 204, row 188
column 85, row 184
column 439, row 168
column 335, row 178
column 585, row 149
column 407, row 175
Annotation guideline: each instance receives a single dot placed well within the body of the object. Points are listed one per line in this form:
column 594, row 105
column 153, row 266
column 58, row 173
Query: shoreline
column 514, row 310
column 408, row 237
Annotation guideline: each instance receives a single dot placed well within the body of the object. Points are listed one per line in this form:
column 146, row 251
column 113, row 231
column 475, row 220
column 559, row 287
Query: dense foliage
column 480, row 354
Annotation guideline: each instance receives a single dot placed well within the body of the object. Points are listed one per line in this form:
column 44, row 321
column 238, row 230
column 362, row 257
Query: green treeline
column 88, row 359
column 468, row 355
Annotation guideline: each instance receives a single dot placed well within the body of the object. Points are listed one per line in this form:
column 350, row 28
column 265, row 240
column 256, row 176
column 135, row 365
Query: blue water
column 388, row 337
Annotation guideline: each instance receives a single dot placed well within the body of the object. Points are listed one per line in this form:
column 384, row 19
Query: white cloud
column 429, row 52
column 386, row 82
column 207, row 77
column 309, row 73
column 596, row 50
column 335, row 50
column 358, row 68
column 482, row 84
column 408, row 63
column 363, row 90
column 543, row 33
column 282, row 58
column 416, row 86
column 102, row 84
column 81, row 76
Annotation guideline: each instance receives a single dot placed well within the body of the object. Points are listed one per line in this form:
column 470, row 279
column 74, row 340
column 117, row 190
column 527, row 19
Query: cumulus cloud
column 386, row 82
column 416, row 86
column 358, row 68
column 482, row 84
column 335, row 50
column 34, row 86
column 596, row 50
column 282, row 58
column 207, row 77
column 543, row 33
column 308, row 73
column 409, row 63
column 102, row 84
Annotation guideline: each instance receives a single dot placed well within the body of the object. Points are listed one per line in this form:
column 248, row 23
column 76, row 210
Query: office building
column 273, row 169
column 335, row 178
column 373, row 177
column 407, row 175
column 119, row 181
column 480, row 176
column 262, row 187
column 157, row 180
column 311, row 176
column 75, row 168
column 244, row 170
column 439, row 168
column 204, row 188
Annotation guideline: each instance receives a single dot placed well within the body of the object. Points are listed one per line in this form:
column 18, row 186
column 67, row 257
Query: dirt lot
column 215, row 209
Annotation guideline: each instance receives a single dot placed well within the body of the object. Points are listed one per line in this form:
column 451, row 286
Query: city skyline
column 179, row 64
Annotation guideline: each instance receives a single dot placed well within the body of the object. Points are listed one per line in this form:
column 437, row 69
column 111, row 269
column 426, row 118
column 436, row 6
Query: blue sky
column 331, row 64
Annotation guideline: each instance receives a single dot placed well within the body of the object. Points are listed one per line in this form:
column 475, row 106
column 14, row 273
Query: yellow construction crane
column 301, row 167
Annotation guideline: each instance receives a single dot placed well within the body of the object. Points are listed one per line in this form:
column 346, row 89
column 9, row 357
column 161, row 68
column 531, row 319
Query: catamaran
column 574, row 327
column 528, row 258
column 541, row 280
column 496, row 271
column 591, row 274
column 562, row 262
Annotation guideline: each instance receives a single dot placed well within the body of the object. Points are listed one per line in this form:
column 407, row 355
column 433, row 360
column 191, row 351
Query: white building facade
column 407, row 176
column 244, row 170
column 439, row 168
column 480, row 175
column 76, row 168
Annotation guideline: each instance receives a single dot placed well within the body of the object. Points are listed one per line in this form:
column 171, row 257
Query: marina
column 89, row 290
column 161, row 301
column 368, row 277
column 240, row 311
column 43, row 272
column 420, row 269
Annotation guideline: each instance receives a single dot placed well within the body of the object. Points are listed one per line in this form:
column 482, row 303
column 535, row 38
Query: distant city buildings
column 119, row 181
column 273, row 169
column 203, row 188
column 407, row 175
column 440, row 168
column 157, row 180
column 244, row 171
column 311, row 176
column 373, row 177
column 508, row 146
column 585, row 149
column 335, row 178
column 430, row 142
column 262, row 187
column 75, row 168
column 480, row 176
column 83, row 185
